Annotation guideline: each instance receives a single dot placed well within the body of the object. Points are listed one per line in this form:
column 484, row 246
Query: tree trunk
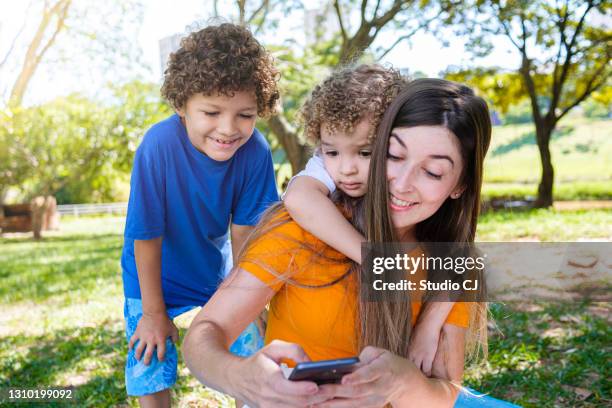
column 2, row 193
column 545, row 188
column 39, row 208
column 297, row 154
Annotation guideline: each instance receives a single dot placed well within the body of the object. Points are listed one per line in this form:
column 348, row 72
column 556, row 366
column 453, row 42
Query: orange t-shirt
column 320, row 319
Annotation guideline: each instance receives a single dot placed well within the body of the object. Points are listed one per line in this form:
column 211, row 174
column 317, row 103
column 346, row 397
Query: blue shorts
column 469, row 398
column 141, row 379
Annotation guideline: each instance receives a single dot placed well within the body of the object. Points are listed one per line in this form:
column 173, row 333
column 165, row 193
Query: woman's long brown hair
column 425, row 102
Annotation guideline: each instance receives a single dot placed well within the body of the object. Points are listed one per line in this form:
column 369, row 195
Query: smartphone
column 325, row 371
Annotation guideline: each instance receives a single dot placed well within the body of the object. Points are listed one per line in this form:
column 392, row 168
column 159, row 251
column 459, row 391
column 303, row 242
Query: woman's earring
column 455, row 195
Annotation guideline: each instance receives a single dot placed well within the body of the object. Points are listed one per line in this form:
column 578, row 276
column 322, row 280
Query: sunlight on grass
column 580, row 149
column 545, row 225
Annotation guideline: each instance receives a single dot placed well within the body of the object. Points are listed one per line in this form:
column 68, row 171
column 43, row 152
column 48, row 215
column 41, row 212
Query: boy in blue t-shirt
column 197, row 174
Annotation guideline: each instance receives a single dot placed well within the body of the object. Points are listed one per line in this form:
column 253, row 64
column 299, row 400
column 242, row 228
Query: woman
column 430, row 149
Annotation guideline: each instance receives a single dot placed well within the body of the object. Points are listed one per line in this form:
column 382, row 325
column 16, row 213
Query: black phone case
column 324, row 372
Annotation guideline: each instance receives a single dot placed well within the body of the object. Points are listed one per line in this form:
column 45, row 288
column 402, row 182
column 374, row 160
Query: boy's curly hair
column 221, row 59
column 348, row 96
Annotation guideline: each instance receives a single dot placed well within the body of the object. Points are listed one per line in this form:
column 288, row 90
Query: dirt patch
column 582, row 205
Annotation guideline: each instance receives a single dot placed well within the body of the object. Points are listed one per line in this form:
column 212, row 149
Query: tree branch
column 590, row 88
column 364, row 4
column 509, row 35
column 569, row 53
column 580, row 24
column 523, row 33
column 410, row 34
column 561, row 26
column 375, row 14
column 12, row 46
column 529, row 83
column 263, row 20
column 568, row 48
column 379, row 22
column 58, row 27
column 339, row 15
column 241, row 12
column 264, row 4
column 33, row 57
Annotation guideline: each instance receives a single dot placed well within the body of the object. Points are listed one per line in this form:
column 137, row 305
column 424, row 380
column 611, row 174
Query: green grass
column 62, row 315
column 61, row 322
column 576, row 190
column 580, row 149
column 546, row 354
column 545, row 225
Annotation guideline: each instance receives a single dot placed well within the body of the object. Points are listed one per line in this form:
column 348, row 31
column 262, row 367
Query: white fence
column 87, row 209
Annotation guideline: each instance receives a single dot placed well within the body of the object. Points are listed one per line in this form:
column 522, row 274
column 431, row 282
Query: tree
column 564, row 49
column 74, row 37
column 51, row 24
column 76, row 145
column 70, row 32
column 359, row 24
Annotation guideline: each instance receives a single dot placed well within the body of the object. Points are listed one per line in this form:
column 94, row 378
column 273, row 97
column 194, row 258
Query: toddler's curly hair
column 221, row 59
column 348, row 96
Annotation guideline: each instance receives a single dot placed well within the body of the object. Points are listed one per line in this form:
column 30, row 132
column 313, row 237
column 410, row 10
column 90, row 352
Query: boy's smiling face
column 218, row 125
column 347, row 157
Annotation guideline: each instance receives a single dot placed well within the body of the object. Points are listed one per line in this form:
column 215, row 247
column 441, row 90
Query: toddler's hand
column 151, row 333
column 423, row 346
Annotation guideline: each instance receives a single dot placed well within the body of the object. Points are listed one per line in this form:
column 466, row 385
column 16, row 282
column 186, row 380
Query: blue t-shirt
column 189, row 199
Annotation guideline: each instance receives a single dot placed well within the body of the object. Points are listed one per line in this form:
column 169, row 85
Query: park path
column 582, row 205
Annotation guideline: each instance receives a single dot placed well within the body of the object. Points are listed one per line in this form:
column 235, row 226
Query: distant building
column 167, row 46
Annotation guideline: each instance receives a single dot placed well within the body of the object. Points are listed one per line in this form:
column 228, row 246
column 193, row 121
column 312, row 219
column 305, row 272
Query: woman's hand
column 262, row 383
column 382, row 378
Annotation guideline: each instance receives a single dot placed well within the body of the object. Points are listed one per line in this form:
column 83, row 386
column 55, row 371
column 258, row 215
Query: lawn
column 580, row 150
column 62, row 325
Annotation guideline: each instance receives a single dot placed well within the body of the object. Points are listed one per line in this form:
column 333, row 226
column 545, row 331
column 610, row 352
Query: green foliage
column 502, row 89
column 595, row 109
column 75, row 147
column 518, row 114
column 301, row 72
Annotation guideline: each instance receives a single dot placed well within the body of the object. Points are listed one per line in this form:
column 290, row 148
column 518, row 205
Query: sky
column 164, row 18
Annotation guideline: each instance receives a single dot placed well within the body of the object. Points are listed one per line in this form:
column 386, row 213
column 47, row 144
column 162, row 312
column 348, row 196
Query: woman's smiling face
column 424, row 166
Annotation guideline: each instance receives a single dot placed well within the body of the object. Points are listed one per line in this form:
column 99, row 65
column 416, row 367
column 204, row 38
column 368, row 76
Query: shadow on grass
column 41, row 270
column 94, row 356
column 50, row 241
column 90, row 360
column 529, row 139
column 548, row 354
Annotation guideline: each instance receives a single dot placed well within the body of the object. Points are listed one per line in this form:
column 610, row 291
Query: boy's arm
column 154, row 327
column 426, row 334
column 308, row 204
